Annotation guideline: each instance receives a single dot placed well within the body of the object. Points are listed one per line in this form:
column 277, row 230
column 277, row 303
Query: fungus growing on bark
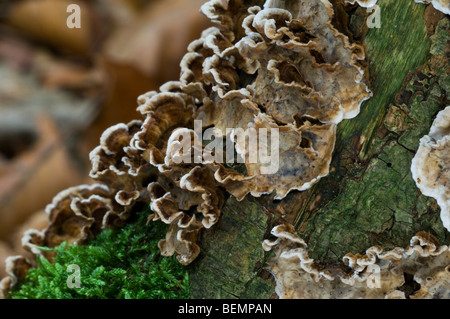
column 226, row 91
column 374, row 275
column 76, row 215
column 278, row 78
column 430, row 166
column 285, row 68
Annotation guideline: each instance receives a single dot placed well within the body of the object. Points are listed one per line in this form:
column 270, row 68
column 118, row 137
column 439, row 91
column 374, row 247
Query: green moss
column 123, row 263
column 399, row 46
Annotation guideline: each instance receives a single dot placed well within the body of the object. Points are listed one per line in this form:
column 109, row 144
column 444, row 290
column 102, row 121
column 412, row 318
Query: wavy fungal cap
column 430, row 166
column 378, row 274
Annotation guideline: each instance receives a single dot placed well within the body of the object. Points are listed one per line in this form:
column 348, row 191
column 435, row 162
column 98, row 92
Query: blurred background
column 61, row 87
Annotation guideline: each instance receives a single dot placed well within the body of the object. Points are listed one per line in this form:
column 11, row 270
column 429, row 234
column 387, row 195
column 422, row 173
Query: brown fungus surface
column 278, row 69
column 281, row 66
column 419, row 271
column 76, row 215
column 16, row 268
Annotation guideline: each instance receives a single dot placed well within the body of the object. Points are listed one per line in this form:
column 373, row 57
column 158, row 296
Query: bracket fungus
column 282, row 69
column 430, row 166
column 279, row 70
column 16, row 268
column 276, row 74
column 76, row 215
column 375, row 275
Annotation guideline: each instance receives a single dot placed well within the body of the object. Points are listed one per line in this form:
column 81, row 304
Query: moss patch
column 399, row 46
column 121, row 263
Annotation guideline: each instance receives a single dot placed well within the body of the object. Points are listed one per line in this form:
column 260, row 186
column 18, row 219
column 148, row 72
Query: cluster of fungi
column 266, row 64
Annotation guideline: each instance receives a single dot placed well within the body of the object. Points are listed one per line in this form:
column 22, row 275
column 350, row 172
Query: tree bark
column 369, row 197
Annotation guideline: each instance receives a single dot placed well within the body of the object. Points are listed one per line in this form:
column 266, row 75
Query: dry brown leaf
column 46, row 21
column 155, row 42
column 21, row 180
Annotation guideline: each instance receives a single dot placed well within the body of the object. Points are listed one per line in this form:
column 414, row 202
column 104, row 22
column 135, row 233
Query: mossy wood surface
column 369, row 198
